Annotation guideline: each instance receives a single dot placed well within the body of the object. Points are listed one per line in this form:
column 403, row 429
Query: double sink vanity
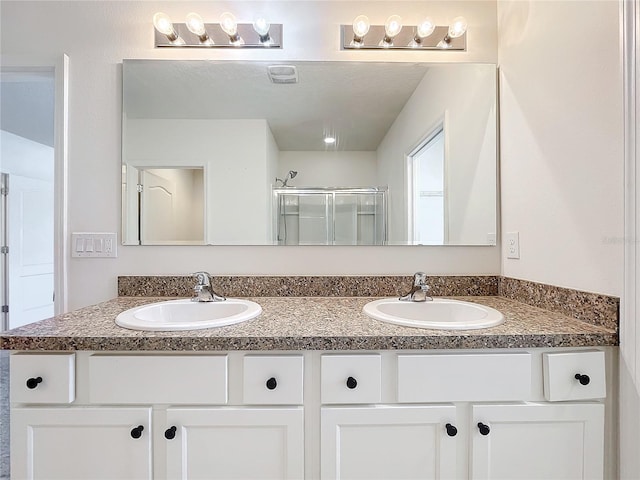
column 327, row 385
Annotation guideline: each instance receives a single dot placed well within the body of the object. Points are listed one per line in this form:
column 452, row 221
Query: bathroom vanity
column 312, row 388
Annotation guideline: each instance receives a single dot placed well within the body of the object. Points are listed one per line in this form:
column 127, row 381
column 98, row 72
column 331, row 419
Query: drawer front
column 350, row 379
column 158, row 379
column 273, row 380
column 574, row 375
column 46, row 378
column 464, row 377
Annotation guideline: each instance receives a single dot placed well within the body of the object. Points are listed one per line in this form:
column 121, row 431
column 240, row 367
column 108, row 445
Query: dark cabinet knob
column 484, row 429
column 352, row 383
column 34, row 382
column 583, row 379
column 451, row 430
column 137, row 432
column 272, row 383
column 170, row 433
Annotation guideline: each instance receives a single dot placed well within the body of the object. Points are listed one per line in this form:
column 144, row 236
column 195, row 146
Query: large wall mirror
column 308, row 153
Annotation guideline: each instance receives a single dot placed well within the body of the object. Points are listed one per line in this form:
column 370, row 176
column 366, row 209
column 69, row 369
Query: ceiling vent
column 282, row 73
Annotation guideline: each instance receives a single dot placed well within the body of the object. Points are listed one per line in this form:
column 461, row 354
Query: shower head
column 290, row 175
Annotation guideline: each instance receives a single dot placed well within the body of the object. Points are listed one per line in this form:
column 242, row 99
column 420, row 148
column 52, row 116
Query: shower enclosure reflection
column 330, row 216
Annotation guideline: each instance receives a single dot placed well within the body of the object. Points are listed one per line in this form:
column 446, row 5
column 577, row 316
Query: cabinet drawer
column 464, row 377
column 47, row 378
column 350, row 379
column 272, row 380
column 574, row 375
column 158, row 379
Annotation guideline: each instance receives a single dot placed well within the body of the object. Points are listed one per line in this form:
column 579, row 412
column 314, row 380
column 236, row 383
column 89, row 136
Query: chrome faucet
column 203, row 292
column 418, row 292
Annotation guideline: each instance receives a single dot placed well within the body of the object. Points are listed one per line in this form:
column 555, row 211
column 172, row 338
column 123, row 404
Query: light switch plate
column 88, row 244
column 512, row 242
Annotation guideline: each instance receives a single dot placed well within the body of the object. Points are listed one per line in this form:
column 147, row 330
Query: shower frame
column 330, row 193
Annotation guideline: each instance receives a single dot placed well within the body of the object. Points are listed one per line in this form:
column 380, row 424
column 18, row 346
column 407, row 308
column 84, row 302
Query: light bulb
column 261, row 26
column 458, row 27
column 425, row 28
column 163, row 24
column 329, row 140
column 361, row 26
column 228, row 24
column 393, row 25
column 195, row 24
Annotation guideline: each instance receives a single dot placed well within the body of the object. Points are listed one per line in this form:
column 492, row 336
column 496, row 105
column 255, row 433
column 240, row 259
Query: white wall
column 330, row 169
column 97, row 36
column 458, row 97
column 233, row 153
column 561, row 149
column 273, row 157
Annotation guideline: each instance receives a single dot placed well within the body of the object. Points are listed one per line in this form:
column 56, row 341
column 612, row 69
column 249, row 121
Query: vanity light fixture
column 195, row 24
column 423, row 30
column 392, row 28
column 164, row 26
column 426, row 35
column 361, row 27
column 261, row 26
column 227, row 33
column 230, row 27
column 457, row 28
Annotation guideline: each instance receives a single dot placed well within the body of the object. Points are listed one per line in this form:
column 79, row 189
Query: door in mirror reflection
column 427, row 187
column 170, row 205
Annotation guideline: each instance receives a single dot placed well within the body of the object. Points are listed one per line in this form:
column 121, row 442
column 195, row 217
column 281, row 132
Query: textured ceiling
column 357, row 102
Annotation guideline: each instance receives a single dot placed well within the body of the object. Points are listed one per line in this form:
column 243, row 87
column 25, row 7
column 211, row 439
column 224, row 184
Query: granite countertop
column 306, row 323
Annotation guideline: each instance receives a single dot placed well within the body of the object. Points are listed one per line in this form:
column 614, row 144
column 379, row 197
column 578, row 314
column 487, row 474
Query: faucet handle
column 203, row 278
column 419, row 279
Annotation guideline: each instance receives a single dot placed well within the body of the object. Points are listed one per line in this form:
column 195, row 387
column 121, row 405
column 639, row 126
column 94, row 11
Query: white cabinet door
column 538, row 441
column 235, row 443
column 81, row 443
column 389, row 442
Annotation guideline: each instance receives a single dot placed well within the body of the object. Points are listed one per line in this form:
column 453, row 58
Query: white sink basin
column 441, row 313
column 187, row 315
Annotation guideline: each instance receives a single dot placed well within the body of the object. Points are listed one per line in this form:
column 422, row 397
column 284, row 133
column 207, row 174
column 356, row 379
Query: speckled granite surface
column 592, row 308
column 310, row 323
column 306, row 286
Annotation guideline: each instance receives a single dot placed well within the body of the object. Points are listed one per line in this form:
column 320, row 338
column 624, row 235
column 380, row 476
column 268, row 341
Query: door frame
column 59, row 64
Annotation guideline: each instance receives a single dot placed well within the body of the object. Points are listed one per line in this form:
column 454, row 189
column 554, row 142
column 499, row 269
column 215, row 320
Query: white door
column 538, row 441
column 30, row 227
column 157, row 222
column 389, row 442
column 81, row 443
column 235, row 443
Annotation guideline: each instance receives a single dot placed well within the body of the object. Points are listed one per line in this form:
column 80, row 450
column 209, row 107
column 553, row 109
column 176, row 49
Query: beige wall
column 560, row 167
column 97, row 36
column 463, row 98
column 561, row 143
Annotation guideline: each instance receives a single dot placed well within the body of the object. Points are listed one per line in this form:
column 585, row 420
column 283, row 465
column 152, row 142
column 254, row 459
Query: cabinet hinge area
column 139, row 188
column 5, row 308
column 4, row 250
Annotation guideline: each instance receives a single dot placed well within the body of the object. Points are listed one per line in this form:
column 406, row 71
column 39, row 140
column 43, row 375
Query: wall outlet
column 512, row 242
column 94, row 245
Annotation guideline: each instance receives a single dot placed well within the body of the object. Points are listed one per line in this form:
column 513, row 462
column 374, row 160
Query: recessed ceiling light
column 329, row 140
